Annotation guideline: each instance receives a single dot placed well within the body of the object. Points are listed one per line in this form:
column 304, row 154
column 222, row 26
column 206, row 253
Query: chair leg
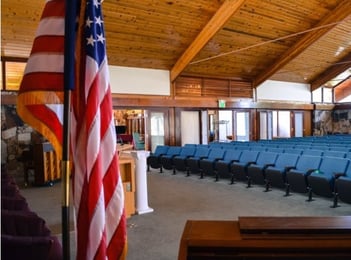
column 287, row 189
column 248, row 182
column 268, row 185
column 201, row 174
column 174, row 171
column 216, row 175
column 187, row 172
column 335, row 200
column 161, row 170
column 309, row 194
column 232, row 179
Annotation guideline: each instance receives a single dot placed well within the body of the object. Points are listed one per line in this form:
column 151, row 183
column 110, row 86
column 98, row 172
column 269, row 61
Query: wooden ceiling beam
column 331, row 72
column 343, row 90
column 226, row 10
column 338, row 14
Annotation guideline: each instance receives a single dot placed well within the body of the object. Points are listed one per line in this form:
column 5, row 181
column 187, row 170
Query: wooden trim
column 151, row 101
column 342, row 106
column 324, row 106
column 3, row 70
column 13, row 59
column 9, row 99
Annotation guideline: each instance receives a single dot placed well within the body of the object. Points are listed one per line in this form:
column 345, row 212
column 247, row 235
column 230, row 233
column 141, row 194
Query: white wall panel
column 284, row 91
column 126, row 80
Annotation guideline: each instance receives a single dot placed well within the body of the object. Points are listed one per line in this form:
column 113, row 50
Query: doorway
column 190, row 127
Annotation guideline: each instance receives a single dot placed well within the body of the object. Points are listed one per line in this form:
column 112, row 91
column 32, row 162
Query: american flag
column 40, row 97
column 97, row 187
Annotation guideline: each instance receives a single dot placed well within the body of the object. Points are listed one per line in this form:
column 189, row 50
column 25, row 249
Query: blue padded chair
column 167, row 159
column 223, row 167
column 275, row 150
column 180, row 162
column 330, row 153
column 186, row 152
column 207, row 164
column 297, row 178
column 321, row 182
column 171, row 152
column 192, row 163
column 153, row 160
column 340, row 148
column 293, row 151
column 312, row 152
column 256, row 171
column 343, row 185
column 276, row 175
column 138, row 143
column 239, row 169
column 258, row 148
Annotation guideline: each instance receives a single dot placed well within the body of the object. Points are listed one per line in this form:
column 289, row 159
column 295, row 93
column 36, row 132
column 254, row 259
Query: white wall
column 127, row 80
column 284, row 91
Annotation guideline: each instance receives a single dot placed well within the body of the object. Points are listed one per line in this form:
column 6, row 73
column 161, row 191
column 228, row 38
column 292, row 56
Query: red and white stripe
column 40, row 97
column 98, row 190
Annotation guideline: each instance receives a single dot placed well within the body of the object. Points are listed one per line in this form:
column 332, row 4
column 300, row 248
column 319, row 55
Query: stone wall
column 331, row 122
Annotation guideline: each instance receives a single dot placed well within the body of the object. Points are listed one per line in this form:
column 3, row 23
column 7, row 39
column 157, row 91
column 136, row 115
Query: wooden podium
column 47, row 167
column 267, row 238
column 127, row 172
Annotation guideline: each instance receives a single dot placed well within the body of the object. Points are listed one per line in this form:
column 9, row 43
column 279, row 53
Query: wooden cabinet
column 127, row 172
column 47, row 166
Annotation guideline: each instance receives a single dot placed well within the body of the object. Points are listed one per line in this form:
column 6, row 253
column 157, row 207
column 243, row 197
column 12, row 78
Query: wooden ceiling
column 306, row 41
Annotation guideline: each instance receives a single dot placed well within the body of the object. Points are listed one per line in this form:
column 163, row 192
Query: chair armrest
column 310, row 171
column 317, row 171
column 288, row 168
column 339, row 174
column 267, row 165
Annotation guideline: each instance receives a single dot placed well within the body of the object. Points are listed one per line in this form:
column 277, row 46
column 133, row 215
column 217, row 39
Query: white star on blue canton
column 90, row 40
column 98, row 20
column 88, row 22
column 100, row 38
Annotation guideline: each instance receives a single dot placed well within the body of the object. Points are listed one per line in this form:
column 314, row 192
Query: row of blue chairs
column 344, row 147
column 324, row 175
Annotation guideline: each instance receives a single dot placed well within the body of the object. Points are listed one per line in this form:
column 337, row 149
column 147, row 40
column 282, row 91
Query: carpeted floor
column 176, row 199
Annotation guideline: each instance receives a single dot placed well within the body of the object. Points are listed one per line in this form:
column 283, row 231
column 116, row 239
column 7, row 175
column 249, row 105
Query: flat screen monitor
column 121, row 129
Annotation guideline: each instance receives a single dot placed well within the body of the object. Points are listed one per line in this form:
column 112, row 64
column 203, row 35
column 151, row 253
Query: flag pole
column 69, row 79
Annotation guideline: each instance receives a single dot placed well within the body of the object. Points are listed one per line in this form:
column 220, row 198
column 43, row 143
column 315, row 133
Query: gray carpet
column 175, row 199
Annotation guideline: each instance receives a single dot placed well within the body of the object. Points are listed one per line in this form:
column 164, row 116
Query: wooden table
column 267, row 238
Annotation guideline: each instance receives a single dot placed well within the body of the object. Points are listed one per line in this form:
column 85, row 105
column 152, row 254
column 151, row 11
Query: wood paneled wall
column 211, row 87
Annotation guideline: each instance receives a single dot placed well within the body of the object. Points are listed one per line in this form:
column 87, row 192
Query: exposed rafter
column 340, row 12
column 343, row 90
column 227, row 9
column 331, row 72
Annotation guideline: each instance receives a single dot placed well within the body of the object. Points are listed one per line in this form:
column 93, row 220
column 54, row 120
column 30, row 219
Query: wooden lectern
column 267, row 238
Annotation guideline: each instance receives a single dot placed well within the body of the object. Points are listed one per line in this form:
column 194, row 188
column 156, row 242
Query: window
column 13, row 75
